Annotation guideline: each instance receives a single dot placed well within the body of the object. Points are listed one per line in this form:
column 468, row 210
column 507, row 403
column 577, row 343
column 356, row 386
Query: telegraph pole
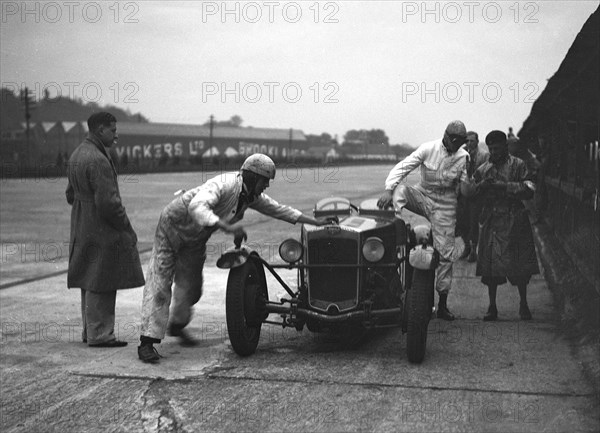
column 29, row 105
column 290, row 146
column 210, row 134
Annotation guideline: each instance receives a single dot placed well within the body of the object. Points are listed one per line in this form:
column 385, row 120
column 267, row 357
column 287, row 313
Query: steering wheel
column 336, row 204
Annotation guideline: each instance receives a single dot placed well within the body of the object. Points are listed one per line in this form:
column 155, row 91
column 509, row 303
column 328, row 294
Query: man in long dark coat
column 506, row 249
column 103, row 256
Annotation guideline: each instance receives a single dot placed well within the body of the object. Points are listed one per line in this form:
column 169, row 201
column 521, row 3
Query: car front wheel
column 245, row 306
column 419, row 302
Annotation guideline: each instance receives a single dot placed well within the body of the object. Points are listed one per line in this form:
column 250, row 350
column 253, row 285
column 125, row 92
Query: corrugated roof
column 183, row 130
column 578, row 68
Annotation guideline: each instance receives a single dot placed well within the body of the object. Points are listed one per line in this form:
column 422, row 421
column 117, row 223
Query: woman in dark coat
column 103, row 256
column 506, row 249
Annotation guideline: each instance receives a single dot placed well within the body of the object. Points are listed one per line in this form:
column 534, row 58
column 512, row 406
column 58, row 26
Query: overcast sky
column 405, row 67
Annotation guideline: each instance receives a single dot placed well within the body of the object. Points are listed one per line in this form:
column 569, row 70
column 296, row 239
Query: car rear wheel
column 245, row 306
column 419, row 301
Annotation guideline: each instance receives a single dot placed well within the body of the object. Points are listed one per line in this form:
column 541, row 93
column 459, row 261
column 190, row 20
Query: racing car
column 367, row 268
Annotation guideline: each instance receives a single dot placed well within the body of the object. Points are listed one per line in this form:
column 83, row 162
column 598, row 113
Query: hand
column 385, row 200
column 236, row 229
column 470, row 180
column 328, row 220
column 237, row 241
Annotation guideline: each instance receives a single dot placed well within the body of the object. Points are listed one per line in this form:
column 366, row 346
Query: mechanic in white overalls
column 179, row 250
column 443, row 168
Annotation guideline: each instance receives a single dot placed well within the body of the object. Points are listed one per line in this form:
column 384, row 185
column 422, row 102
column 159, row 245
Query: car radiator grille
column 333, row 285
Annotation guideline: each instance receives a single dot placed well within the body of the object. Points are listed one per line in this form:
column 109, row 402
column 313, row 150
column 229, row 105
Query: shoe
column 491, row 315
column 185, row 339
column 111, row 343
column 444, row 313
column 148, row 353
column 524, row 312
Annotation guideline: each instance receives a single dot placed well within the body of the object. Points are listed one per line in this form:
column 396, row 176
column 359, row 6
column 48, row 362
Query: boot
column 443, row 312
column 146, row 351
column 524, row 312
column 491, row 315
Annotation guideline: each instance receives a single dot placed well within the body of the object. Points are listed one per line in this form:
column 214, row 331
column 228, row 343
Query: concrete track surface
column 505, row 376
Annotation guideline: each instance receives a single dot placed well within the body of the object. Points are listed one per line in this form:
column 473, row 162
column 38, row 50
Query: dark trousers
column 98, row 316
column 474, row 209
column 467, row 220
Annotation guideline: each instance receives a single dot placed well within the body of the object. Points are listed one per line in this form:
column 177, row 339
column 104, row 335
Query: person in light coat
column 443, row 167
column 506, row 248
column 103, row 255
column 179, row 252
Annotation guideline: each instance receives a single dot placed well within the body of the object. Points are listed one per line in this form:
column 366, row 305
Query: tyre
column 245, row 306
column 419, row 301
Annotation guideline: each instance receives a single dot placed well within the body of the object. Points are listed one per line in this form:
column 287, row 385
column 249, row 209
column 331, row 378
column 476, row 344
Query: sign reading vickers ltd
column 199, row 148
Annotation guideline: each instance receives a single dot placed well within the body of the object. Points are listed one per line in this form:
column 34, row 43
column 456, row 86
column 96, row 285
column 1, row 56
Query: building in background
column 150, row 145
column 563, row 129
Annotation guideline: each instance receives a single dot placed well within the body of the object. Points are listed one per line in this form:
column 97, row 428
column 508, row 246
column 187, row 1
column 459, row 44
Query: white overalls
column 434, row 197
column 179, row 250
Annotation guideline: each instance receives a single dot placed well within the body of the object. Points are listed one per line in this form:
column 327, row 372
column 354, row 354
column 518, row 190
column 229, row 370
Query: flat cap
column 495, row 136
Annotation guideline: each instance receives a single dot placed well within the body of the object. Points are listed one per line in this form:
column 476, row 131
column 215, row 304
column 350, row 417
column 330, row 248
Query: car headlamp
column 373, row 249
column 290, row 250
